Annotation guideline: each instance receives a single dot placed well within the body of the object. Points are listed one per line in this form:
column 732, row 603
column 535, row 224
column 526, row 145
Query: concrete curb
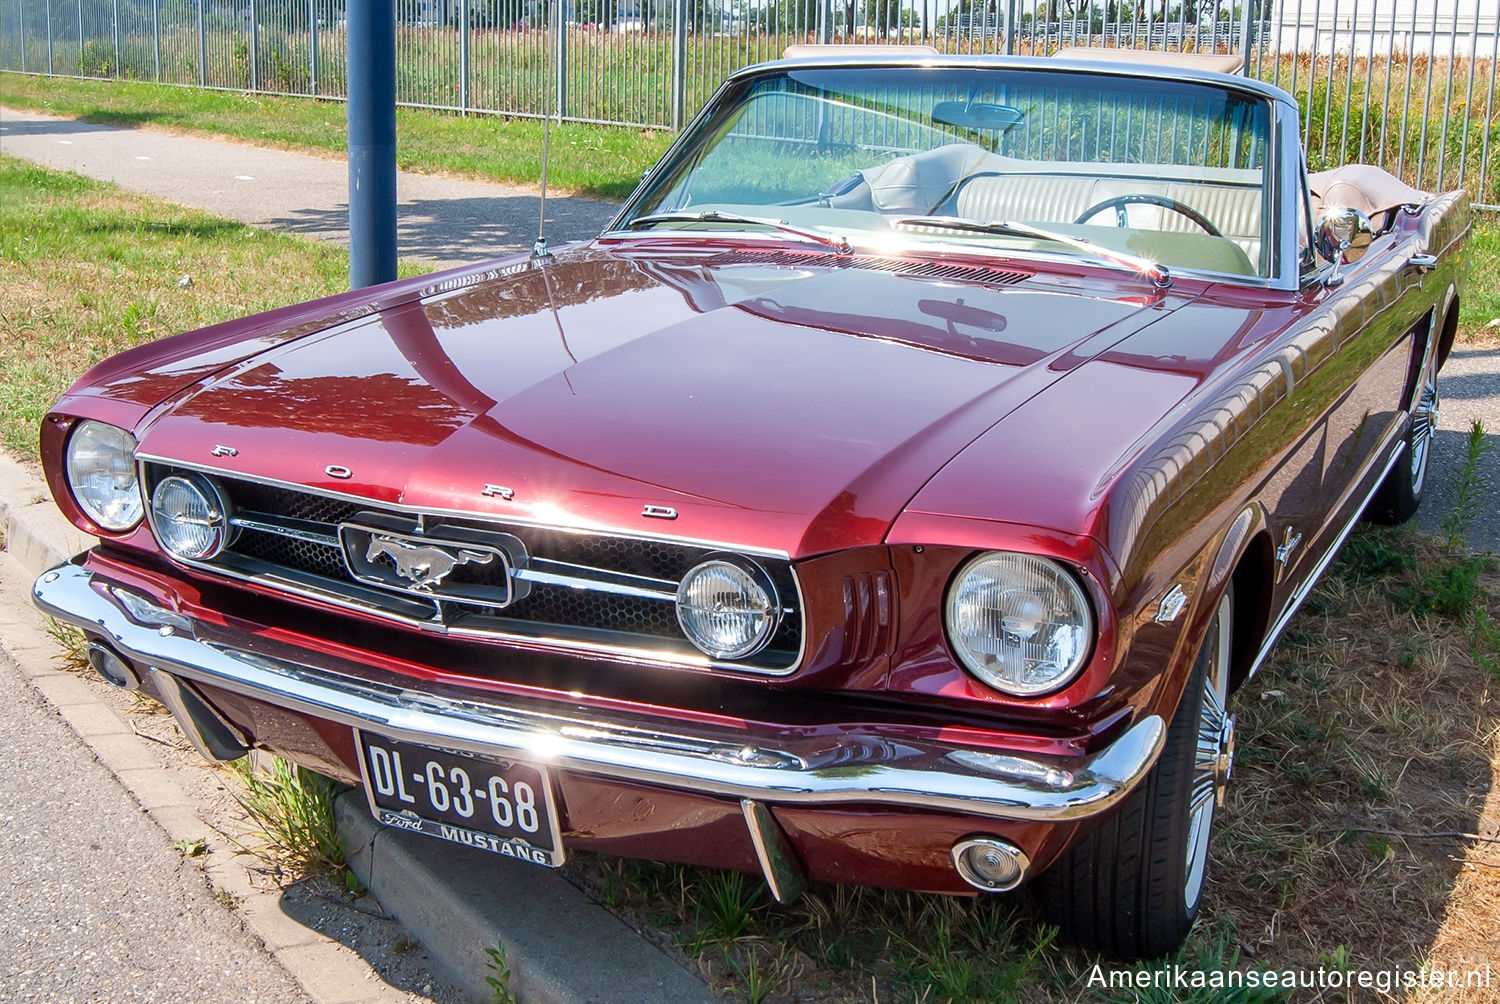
column 457, row 902
column 559, row 946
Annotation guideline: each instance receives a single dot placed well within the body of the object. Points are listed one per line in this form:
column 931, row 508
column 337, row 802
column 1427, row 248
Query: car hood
column 788, row 407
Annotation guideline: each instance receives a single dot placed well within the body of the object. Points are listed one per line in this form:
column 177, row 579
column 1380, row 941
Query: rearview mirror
column 977, row 115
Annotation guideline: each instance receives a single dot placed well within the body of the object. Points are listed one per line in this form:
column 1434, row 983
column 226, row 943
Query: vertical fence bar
column 1385, row 105
column 1411, row 41
column 1463, row 149
column 1348, row 86
column 679, row 62
column 1364, row 119
column 156, row 40
column 1426, row 99
column 1448, row 93
column 202, row 48
column 1010, row 27
column 1489, row 110
column 312, row 52
column 115, row 34
column 255, row 44
column 560, row 102
column 1245, row 12
column 78, row 70
column 49, row 37
column 464, row 55
column 1333, row 60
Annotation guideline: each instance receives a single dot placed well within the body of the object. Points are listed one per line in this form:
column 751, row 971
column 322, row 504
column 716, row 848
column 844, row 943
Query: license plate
column 499, row 806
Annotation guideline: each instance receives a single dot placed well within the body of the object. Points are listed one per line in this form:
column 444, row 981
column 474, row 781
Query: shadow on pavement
column 461, row 230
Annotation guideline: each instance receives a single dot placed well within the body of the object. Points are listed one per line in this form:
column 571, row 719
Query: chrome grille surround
column 579, row 591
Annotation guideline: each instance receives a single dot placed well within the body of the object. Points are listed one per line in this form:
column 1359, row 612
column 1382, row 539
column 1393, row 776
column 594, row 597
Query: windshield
column 1167, row 171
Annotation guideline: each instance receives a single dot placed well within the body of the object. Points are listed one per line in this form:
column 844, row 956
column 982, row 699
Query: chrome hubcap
column 1424, row 420
column 1213, row 759
column 1215, row 762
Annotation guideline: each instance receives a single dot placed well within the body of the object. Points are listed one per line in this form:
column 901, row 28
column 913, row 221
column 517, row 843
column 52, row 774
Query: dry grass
column 1366, row 746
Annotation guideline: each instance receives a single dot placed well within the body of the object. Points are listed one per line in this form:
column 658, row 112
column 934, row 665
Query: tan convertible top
column 1180, row 60
column 1370, row 189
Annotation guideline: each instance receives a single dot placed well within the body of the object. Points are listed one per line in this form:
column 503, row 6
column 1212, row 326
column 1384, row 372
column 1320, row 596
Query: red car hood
column 794, row 409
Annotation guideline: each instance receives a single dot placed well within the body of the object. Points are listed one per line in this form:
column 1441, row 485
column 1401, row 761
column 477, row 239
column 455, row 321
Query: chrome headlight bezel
column 1060, row 607
column 213, row 523
column 760, row 609
column 99, row 466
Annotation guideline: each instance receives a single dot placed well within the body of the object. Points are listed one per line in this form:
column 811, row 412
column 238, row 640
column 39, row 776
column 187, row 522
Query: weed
column 75, row 646
column 293, row 810
column 726, row 901
column 404, row 946
column 753, row 980
column 191, row 847
column 1468, row 487
column 227, row 897
column 499, row 981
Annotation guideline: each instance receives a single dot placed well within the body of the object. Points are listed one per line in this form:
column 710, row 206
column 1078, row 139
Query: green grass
column 1481, row 303
column 291, row 809
column 88, row 270
column 601, row 161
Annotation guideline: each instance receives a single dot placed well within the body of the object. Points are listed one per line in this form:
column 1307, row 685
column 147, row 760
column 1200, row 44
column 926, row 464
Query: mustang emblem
column 424, row 566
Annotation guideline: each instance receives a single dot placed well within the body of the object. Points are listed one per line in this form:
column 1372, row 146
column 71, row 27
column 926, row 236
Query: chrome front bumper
column 858, row 766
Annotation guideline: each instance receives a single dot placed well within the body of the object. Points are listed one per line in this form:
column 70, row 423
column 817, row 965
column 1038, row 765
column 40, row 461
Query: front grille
column 294, row 541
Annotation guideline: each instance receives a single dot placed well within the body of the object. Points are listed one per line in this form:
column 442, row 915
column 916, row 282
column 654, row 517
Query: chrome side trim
column 266, row 524
column 857, row 766
column 597, row 579
column 1306, row 586
column 488, row 516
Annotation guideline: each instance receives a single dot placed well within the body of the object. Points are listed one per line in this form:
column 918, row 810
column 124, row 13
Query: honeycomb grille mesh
column 551, row 605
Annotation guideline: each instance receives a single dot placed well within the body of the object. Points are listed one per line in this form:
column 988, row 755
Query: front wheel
column 1133, row 885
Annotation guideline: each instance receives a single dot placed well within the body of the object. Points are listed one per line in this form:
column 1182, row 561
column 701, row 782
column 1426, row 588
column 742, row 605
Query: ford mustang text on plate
column 895, row 493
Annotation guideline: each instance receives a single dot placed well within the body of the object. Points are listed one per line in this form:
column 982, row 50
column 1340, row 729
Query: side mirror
column 1343, row 237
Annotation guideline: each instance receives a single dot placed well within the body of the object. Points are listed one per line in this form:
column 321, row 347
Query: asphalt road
column 449, row 222
column 77, row 923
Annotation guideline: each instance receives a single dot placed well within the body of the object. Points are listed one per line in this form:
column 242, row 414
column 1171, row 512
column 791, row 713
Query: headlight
column 101, row 474
column 728, row 609
column 1019, row 623
column 190, row 516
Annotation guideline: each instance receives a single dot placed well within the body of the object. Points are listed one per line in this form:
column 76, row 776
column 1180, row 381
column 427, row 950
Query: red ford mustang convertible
column 895, row 493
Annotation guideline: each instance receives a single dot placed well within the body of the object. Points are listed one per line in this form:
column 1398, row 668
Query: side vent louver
column 867, row 615
column 897, row 266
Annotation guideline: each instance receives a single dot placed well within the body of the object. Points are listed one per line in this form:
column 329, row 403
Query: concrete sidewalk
column 439, row 220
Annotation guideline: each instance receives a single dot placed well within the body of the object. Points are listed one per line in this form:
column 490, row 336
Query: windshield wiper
column 839, row 244
column 1156, row 272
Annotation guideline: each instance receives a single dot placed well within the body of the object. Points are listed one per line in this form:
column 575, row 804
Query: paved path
column 450, row 222
column 440, row 220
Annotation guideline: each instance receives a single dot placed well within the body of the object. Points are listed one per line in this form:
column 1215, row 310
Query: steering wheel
column 1119, row 202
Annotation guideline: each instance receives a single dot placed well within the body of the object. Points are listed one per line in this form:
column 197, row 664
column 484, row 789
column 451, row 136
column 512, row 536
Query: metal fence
column 1408, row 84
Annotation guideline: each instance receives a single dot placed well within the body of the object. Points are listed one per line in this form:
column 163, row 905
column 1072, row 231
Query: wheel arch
column 1449, row 331
column 1246, row 560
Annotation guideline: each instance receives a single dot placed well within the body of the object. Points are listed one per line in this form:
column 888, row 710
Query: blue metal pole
column 372, row 142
